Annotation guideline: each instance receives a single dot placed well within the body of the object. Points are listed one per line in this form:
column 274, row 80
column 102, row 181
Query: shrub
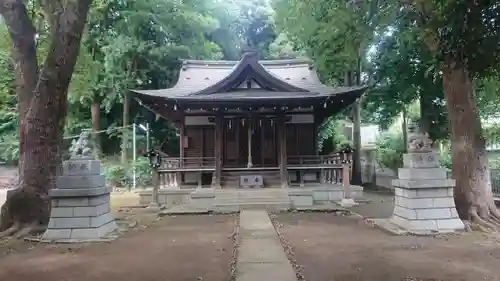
column 116, row 175
column 390, row 149
column 119, row 176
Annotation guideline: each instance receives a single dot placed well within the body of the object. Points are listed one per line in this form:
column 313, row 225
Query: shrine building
column 248, row 123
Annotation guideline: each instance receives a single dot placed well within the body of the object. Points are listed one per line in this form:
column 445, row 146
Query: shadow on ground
column 330, row 247
column 183, row 248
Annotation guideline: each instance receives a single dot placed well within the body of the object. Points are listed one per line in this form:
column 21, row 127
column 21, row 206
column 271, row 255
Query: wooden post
column 182, row 145
column 200, row 175
column 280, row 125
column 219, row 123
column 250, row 164
column 156, row 185
column 346, row 180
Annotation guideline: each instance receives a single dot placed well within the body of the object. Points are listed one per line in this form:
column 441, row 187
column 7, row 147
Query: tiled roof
column 198, row 78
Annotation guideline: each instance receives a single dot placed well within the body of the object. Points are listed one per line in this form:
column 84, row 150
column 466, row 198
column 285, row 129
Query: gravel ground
column 183, row 248
column 327, row 247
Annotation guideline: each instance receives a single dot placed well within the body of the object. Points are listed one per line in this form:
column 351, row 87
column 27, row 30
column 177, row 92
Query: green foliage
column 334, row 34
column 332, row 136
column 9, row 143
column 118, row 175
column 468, row 33
column 390, row 149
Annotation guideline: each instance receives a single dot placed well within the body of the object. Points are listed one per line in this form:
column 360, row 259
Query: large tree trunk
column 473, row 195
column 96, row 125
column 42, row 127
column 25, row 63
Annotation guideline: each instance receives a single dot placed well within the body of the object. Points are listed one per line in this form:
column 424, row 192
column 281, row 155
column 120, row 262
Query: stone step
column 270, row 206
column 251, row 196
column 242, row 201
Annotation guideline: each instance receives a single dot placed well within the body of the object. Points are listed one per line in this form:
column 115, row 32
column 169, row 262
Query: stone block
column 434, row 192
column 409, row 193
column 414, row 203
column 62, row 212
column 405, row 212
column 454, row 213
column 94, row 233
column 257, row 250
column 321, row 196
column 79, row 192
column 98, row 200
column 417, row 184
column 56, row 234
column 70, row 202
column 421, row 160
column 436, row 213
column 450, row 224
column 421, row 174
column 444, row 202
column 414, row 225
column 74, row 167
column 101, row 220
column 67, row 223
column 450, row 192
column 81, row 181
column 423, row 225
column 80, row 204
column 302, row 200
column 337, row 195
column 91, row 211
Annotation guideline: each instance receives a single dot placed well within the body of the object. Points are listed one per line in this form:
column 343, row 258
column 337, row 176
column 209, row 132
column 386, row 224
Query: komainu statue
column 81, row 146
column 418, row 141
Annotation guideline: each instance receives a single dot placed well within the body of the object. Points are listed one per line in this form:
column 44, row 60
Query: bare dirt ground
column 344, row 248
column 182, row 248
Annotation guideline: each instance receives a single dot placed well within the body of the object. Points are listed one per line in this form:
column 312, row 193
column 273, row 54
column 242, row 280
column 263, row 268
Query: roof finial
column 249, row 50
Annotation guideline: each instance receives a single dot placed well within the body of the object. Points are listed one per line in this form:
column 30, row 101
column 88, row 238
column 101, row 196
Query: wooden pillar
column 250, row 164
column 156, row 185
column 346, row 175
column 280, row 126
column 180, row 176
column 219, row 127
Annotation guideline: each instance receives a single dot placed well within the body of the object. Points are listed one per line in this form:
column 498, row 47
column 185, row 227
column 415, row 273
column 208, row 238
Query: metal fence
column 495, row 181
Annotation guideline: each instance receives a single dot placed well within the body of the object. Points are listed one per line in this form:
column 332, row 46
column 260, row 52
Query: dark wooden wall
column 201, row 141
column 300, row 139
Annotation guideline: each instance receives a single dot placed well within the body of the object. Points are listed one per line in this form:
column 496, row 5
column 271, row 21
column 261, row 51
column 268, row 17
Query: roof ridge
column 188, row 62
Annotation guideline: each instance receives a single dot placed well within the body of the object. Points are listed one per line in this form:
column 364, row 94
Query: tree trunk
column 96, row 126
column 42, row 127
column 356, row 131
column 126, row 112
column 473, row 195
column 404, row 129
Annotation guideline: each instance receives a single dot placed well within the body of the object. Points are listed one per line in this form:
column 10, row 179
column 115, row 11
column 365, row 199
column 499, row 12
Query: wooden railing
column 333, row 169
column 171, row 168
column 320, row 160
column 187, row 163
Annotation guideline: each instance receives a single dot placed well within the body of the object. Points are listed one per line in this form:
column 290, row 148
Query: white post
column 133, row 155
column 147, row 136
column 249, row 165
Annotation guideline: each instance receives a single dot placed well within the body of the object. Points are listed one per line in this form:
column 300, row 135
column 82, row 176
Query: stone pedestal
column 80, row 204
column 424, row 201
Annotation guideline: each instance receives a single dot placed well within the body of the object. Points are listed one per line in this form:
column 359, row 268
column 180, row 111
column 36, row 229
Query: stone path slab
column 260, row 254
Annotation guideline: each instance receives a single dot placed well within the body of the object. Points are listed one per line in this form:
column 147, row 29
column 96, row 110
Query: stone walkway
column 260, row 254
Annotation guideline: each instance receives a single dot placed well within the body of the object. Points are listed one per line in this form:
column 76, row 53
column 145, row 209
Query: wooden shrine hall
column 248, row 123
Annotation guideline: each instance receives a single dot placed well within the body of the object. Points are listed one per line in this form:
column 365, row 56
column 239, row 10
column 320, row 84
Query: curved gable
column 249, row 69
